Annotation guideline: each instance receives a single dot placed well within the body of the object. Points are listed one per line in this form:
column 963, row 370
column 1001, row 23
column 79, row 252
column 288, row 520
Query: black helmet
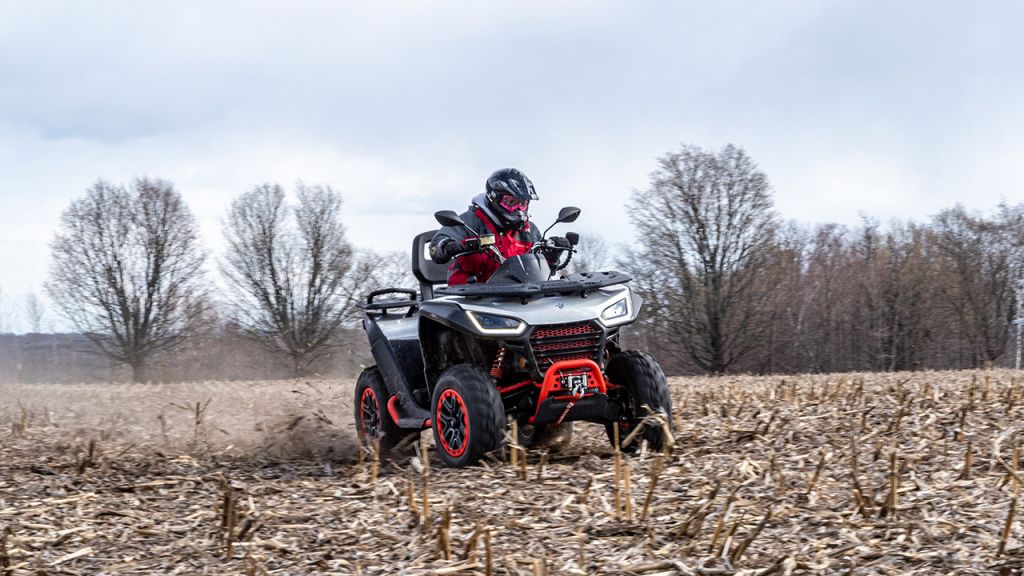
column 509, row 192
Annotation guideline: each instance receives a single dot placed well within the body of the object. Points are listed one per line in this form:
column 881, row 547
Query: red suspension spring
column 497, row 368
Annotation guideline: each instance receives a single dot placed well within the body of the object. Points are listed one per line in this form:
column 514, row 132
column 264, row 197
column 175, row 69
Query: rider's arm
column 446, row 244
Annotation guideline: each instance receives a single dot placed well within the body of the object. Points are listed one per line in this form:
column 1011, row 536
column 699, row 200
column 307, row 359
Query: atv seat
column 428, row 272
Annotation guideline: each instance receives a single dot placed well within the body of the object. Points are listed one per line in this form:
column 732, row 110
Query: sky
column 893, row 110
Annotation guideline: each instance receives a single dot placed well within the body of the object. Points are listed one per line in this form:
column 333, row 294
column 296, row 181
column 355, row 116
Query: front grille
column 566, row 342
column 584, row 329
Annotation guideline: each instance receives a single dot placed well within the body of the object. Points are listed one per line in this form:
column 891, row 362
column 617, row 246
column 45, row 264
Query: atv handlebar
column 481, row 244
column 546, row 244
column 492, row 250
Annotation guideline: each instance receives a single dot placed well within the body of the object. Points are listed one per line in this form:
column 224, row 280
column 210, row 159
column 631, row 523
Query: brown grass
column 848, row 474
column 279, row 419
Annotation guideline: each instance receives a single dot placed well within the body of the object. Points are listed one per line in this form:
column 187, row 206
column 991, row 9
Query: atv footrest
column 417, row 421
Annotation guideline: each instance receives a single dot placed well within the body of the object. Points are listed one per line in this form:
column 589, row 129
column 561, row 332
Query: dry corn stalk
column 540, row 465
column 892, row 502
column 5, row 558
column 965, row 473
column 488, row 554
column 1007, row 527
column 375, row 462
column 722, row 518
column 651, row 485
column 469, row 552
column 86, row 461
column 581, row 556
column 618, row 469
column 817, row 473
column 426, row 483
column 443, row 534
column 738, row 552
column 410, row 491
column 514, row 452
column 858, row 492
column 228, row 516
column 628, row 494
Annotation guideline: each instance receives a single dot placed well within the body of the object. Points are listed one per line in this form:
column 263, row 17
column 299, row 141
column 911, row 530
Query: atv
column 462, row 360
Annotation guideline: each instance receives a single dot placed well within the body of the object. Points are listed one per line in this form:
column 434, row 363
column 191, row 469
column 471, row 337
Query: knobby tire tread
column 390, row 433
column 646, row 384
column 486, row 412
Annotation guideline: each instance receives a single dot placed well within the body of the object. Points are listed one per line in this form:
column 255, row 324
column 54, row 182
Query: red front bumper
column 556, row 402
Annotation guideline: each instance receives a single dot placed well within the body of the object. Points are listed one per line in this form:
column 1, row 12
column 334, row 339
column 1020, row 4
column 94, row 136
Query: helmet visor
column 513, row 204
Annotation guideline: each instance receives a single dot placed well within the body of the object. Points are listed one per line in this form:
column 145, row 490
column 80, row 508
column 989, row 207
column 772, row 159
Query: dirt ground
column 838, row 474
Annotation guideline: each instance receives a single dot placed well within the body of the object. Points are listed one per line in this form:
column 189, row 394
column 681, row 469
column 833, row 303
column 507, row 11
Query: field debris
column 847, row 474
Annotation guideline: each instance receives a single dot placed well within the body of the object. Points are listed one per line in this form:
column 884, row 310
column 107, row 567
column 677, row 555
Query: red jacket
column 481, row 265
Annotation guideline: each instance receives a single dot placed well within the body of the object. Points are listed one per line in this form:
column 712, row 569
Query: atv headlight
column 617, row 313
column 496, row 325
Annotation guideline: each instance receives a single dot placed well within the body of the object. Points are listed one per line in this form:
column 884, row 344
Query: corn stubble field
column 849, row 474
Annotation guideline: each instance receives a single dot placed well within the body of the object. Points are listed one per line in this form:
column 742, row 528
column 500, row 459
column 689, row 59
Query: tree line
column 728, row 284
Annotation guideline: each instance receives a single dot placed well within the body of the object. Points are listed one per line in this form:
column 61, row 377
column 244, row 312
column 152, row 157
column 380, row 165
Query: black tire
column 556, row 437
column 373, row 422
column 643, row 384
column 468, row 416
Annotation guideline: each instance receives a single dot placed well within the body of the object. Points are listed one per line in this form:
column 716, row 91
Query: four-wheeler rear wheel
column 643, row 384
column 468, row 416
column 373, row 422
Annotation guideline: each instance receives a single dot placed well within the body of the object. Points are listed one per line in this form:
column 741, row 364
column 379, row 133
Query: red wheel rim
column 369, row 414
column 451, row 419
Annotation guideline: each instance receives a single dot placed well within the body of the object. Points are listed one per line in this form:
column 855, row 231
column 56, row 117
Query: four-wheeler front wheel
column 373, row 422
column 642, row 384
column 468, row 416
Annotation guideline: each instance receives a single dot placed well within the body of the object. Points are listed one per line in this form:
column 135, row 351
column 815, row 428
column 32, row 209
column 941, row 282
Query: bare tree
column 35, row 313
column 387, row 270
column 126, row 269
column 294, row 276
column 591, row 256
column 788, row 309
column 979, row 255
column 706, row 221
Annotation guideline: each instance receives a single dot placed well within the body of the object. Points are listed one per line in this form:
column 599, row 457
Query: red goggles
column 513, row 204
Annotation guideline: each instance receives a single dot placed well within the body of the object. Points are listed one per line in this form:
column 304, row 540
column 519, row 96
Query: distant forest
column 728, row 284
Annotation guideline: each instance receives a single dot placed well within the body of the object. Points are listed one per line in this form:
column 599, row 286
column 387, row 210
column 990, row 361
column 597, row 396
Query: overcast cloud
column 890, row 109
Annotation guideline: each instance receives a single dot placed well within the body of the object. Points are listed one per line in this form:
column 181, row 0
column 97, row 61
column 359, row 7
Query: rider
column 501, row 211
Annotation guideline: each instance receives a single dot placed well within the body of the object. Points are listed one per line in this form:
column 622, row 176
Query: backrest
column 428, row 272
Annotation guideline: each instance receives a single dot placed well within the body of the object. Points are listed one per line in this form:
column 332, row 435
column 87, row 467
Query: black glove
column 553, row 250
column 443, row 251
column 560, row 242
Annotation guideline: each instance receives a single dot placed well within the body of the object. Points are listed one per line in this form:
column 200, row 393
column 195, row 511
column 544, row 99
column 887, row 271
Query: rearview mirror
column 568, row 214
column 448, row 218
